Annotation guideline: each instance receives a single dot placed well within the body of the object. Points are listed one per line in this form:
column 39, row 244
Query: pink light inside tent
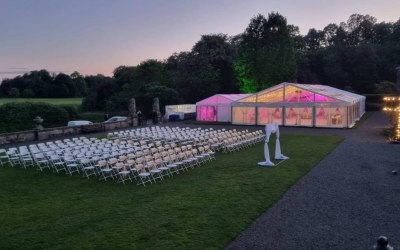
column 321, row 113
column 277, row 113
column 264, row 114
column 206, row 113
column 291, row 113
column 212, row 113
column 300, row 96
column 307, row 96
column 208, row 109
column 321, row 98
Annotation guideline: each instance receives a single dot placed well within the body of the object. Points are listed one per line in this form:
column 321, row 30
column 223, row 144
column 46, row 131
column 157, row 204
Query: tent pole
column 314, row 116
column 284, row 114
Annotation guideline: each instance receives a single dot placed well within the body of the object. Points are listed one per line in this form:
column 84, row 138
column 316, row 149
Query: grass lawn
column 204, row 208
column 55, row 101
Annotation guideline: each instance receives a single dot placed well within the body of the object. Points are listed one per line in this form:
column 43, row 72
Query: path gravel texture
column 345, row 202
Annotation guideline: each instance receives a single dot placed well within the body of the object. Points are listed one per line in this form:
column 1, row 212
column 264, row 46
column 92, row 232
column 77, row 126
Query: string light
column 392, row 105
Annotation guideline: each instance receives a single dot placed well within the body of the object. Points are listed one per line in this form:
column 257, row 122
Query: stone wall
column 17, row 137
column 57, row 133
column 50, row 133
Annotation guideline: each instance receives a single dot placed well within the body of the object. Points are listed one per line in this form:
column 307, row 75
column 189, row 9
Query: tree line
column 358, row 55
column 42, row 84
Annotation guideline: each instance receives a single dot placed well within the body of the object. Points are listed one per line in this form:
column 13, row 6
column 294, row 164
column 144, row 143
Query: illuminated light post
column 392, row 106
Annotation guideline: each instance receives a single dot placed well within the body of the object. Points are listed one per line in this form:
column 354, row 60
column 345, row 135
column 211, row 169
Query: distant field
column 55, row 101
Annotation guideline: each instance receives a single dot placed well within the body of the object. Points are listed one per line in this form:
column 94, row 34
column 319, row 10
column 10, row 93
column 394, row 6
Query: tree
column 360, row 28
column 361, row 64
column 14, row 92
column 61, row 86
column 385, row 87
column 315, row 39
column 266, row 54
column 103, row 88
column 28, row 93
column 80, row 84
column 216, row 51
column 193, row 76
column 135, row 82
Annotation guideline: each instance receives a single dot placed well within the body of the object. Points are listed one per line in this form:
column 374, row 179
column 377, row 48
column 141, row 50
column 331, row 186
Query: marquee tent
column 217, row 107
column 293, row 104
column 180, row 109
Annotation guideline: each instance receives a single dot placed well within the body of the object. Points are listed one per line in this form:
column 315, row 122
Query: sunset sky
column 96, row 36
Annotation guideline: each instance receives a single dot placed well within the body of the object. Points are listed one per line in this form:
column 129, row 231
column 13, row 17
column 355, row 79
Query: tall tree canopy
column 266, row 53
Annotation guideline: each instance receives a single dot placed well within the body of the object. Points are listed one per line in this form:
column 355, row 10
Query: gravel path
column 345, row 202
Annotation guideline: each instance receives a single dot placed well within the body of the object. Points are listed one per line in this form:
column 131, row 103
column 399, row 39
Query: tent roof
column 323, row 90
column 222, row 99
column 330, row 91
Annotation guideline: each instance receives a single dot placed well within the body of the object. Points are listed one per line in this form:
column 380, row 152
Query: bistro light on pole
column 392, row 106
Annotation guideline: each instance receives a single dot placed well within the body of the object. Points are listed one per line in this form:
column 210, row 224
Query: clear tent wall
column 306, row 105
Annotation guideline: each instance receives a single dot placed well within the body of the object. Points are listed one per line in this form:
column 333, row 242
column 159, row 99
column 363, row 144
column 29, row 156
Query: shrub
column 19, row 116
column 28, row 93
column 72, row 110
column 385, row 87
column 14, row 92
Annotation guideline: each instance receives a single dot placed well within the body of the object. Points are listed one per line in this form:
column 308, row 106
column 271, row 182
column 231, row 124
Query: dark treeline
column 359, row 55
column 42, row 84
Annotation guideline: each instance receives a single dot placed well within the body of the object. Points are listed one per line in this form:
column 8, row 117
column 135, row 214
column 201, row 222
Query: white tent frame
column 353, row 104
column 228, row 105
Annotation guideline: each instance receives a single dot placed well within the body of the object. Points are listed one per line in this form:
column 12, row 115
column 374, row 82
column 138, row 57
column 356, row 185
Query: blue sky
column 96, row 36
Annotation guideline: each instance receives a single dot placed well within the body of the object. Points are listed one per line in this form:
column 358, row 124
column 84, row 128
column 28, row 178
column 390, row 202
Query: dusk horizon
column 97, row 37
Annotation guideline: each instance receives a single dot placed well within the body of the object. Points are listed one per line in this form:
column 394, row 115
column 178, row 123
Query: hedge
column 72, row 110
column 19, row 116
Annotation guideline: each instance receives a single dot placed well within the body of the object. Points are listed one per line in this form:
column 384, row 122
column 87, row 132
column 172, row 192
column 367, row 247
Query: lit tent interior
column 217, row 107
column 292, row 104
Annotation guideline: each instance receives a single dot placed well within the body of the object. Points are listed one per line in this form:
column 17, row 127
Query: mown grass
column 204, row 208
column 55, row 101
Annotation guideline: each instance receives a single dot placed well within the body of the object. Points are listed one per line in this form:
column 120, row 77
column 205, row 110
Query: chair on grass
column 104, row 170
column 41, row 161
column 161, row 165
column 209, row 152
column 122, row 173
column 57, row 163
column 130, row 165
column 26, row 159
column 172, row 163
column 13, row 157
column 153, row 170
column 200, row 158
column 143, row 175
column 4, row 160
column 71, row 165
column 87, row 167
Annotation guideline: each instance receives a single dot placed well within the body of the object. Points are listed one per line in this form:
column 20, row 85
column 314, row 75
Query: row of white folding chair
column 235, row 141
column 10, row 157
column 75, row 158
column 157, row 164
